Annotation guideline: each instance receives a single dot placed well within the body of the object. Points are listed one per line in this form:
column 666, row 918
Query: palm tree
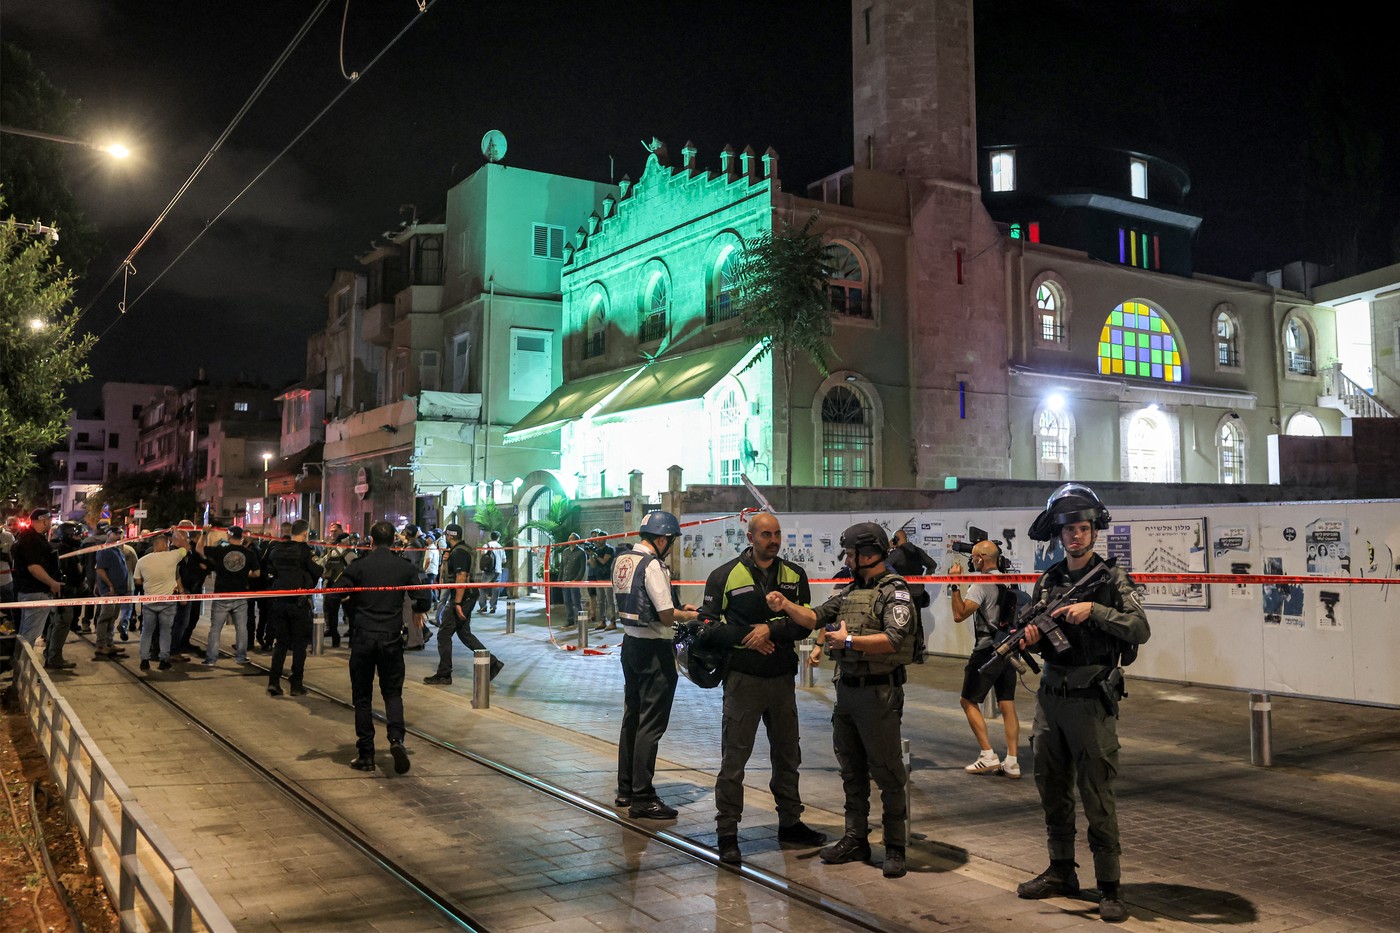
column 560, row 523
column 785, row 304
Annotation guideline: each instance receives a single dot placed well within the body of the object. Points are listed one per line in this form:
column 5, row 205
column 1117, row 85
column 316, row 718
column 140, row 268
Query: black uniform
column 757, row 687
column 291, row 567
column 459, row 562
column 376, row 642
column 1075, row 737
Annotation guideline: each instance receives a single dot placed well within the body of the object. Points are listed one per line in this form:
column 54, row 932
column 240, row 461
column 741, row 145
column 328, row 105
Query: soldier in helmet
column 871, row 633
column 758, row 680
column 1075, row 736
column 648, row 611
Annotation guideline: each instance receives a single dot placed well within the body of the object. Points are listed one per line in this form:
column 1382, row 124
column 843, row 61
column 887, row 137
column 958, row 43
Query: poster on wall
column 1230, row 545
column 1329, row 616
column 1329, row 547
column 1175, row 546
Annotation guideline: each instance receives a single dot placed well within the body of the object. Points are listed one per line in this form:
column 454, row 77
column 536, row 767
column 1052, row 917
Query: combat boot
column 847, row 849
column 1059, row 880
column 1111, row 907
column 894, row 862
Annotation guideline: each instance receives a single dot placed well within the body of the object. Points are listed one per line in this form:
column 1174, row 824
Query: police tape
column 1145, row 579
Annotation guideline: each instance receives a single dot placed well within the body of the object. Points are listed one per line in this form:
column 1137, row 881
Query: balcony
column 378, row 325
column 1300, row 365
column 594, row 345
column 652, row 327
column 721, row 308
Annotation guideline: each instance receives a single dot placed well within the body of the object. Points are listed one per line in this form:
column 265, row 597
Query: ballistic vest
column 634, row 606
column 862, row 608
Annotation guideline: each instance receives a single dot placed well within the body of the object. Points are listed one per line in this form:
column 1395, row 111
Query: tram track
column 804, row 897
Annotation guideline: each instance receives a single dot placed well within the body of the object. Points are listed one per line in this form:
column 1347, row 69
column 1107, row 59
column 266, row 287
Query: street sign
column 138, row 513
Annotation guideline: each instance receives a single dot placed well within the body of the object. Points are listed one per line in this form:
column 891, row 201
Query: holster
column 1111, row 689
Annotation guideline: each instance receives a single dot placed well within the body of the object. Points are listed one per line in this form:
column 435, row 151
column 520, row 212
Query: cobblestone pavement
column 1210, row 842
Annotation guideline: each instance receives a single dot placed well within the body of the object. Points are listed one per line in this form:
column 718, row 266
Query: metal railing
column 152, row 886
column 652, row 327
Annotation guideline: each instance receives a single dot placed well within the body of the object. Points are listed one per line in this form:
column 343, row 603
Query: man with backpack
column 992, row 606
column 490, row 561
column 333, row 564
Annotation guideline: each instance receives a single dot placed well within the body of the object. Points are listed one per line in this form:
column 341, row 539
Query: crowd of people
column 756, row 608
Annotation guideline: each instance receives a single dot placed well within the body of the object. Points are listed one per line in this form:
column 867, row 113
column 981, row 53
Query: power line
column 126, row 264
column 423, row 8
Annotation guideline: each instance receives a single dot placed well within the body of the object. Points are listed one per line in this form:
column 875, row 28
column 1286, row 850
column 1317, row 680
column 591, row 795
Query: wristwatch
column 848, row 643
column 953, row 588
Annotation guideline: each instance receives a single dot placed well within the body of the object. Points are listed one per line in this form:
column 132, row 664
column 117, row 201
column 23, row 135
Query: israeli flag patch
column 902, row 594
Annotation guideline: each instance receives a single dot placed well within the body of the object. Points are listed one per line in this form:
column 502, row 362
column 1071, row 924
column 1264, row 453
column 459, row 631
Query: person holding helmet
column 871, row 633
column 1075, row 737
column 758, row 680
column 642, row 584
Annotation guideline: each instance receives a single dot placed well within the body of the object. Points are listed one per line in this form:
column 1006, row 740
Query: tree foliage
column 32, row 172
column 784, row 303
column 41, row 353
column 561, row 522
column 489, row 517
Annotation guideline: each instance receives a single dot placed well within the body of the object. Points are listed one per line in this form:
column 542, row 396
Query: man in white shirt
column 157, row 573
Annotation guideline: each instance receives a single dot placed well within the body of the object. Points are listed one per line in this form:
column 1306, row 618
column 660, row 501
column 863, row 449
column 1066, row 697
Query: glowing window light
column 1137, row 342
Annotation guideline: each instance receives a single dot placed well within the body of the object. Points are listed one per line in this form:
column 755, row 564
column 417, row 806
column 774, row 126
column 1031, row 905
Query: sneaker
column 1111, row 909
column 1011, row 770
column 985, row 765
column 182, row 658
column 165, row 665
column 800, row 834
column 273, row 690
column 401, row 762
column 439, row 679
column 894, row 862
column 145, row 665
column 298, row 691
column 125, row 637
column 651, row 810
column 729, row 852
column 1055, row 881
column 847, row 849
column 209, row 662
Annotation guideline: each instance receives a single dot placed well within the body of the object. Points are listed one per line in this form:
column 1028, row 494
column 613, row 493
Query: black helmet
column 699, row 663
column 1072, row 502
column 865, row 536
column 69, row 531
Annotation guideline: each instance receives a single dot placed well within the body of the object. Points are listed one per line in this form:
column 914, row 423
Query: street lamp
column 115, row 150
column 266, row 458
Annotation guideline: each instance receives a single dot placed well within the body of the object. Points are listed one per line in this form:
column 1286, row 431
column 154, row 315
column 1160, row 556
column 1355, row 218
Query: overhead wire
column 423, row 7
column 126, row 264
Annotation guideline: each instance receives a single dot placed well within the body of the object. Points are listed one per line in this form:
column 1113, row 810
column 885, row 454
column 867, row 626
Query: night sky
column 572, row 84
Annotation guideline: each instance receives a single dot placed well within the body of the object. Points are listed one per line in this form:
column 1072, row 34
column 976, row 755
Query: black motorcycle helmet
column 1072, row 502
column 699, row 663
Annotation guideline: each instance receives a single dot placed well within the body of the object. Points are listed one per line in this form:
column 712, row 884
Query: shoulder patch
column 901, row 595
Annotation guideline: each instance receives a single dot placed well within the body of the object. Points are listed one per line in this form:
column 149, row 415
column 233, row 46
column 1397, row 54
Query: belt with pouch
column 874, row 680
column 1072, row 692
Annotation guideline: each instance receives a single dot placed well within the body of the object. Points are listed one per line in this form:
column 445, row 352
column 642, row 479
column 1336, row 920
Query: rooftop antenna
column 493, row 145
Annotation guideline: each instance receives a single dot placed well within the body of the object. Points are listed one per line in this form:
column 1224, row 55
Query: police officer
column 642, row 584
column 292, row 566
column 758, row 682
column 376, row 643
column 1075, row 736
column 871, row 633
column 456, row 616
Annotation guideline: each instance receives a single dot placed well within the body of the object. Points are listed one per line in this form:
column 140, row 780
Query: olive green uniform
column 865, row 724
column 1075, row 737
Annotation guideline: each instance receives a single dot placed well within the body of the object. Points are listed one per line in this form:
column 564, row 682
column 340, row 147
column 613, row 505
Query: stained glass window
column 1136, row 341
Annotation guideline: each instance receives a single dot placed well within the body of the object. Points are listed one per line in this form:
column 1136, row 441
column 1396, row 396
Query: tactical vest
column 633, row 604
column 861, row 608
column 1090, row 646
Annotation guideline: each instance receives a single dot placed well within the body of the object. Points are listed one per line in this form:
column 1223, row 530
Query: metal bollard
column 806, row 673
column 318, row 637
column 582, row 629
column 1261, row 730
column 908, row 790
column 481, row 679
column 990, row 708
column 510, row 617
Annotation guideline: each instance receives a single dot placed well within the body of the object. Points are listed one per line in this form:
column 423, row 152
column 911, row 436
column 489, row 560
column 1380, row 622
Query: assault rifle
column 1041, row 615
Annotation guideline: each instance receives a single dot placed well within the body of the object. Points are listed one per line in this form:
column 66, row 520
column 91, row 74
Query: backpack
column 334, row 566
column 1009, row 600
column 487, row 562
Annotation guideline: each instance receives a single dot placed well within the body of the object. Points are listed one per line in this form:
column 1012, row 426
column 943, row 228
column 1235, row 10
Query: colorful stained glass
column 1137, row 341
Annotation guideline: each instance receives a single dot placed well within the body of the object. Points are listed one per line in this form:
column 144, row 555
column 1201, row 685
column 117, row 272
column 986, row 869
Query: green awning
column 678, row 378
column 571, row 400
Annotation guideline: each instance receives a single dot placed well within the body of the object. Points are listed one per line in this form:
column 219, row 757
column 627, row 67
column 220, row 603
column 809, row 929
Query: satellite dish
column 493, row 145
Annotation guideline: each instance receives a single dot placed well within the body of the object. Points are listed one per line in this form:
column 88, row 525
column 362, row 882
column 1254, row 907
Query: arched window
column 656, row 300
column 1149, row 449
column 1298, row 347
column 1229, row 440
column 722, row 288
column 848, row 283
column 728, row 436
column 1137, row 341
column 1227, row 339
column 1304, row 424
column 847, row 439
column 1054, row 443
column 1049, row 309
column 595, row 329
column 427, row 260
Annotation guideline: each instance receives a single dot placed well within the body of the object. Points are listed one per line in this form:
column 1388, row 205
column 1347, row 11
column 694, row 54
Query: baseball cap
column 454, row 530
column 38, row 514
